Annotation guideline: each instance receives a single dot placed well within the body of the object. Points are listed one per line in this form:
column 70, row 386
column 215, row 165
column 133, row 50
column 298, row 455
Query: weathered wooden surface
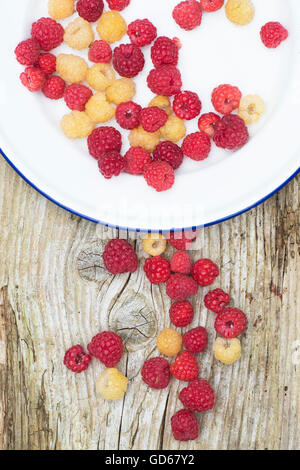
column 54, row 293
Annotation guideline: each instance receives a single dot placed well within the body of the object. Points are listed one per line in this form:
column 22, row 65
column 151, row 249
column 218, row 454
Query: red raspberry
column 136, row 160
column 181, row 262
column 226, row 98
column 198, row 396
column 216, row 300
column 196, row 146
column 48, row 32
column 47, row 63
column 159, row 175
column 185, row 426
column 90, row 10
column 179, row 287
column 118, row 5
column 165, row 80
column 181, row 313
column 164, row 52
column 104, row 139
column 188, row 14
column 100, row 51
column 33, row 78
column 156, row 372
column 157, row 269
column 54, row 87
column 231, row 322
column 120, row 257
column 195, row 340
column 207, row 123
column 128, row 115
column 107, row 347
column 76, row 360
column 231, row 132
column 76, row 96
column 204, row 272
column 153, row 118
column 182, row 240
column 111, row 164
column 141, row 32
column 272, row 34
column 27, row 52
column 168, row 152
column 211, row 5
column 185, row 367
column 128, row 60
column 186, row 105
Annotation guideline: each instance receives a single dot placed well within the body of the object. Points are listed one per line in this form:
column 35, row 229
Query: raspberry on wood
column 159, row 175
column 195, row 340
column 182, row 240
column 76, row 359
column 181, row 313
column 120, row 257
column 181, row 262
column 198, row 396
column 184, row 426
column 156, row 373
column 216, row 300
column 107, row 347
column 196, row 146
column 27, row 52
column 165, row 80
column 168, row 152
column 157, row 269
column 231, row 322
column 104, row 139
column 141, row 32
column 205, row 271
column 180, row 286
column 185, row 367
column 188, row 14
column 187, row 105
column 164, row 52
column 128, row 60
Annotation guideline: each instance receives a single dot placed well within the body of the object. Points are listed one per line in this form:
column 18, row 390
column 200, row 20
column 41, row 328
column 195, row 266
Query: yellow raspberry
column 121, row 90
column 79, row 34
column 140, row 138
column 162, row 102
column 60, row 9
column 77, row 125
column 240, row 12
column 227, row 350
column 174, row 129
column 154, row 244
column 100, row 76
column 71, row 68
column 99, row 109
column 251, row 108
column 111, row 384
column 169, row 342
column 111, row 27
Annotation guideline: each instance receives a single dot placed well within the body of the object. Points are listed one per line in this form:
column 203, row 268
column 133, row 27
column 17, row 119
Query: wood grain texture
column 54, row 293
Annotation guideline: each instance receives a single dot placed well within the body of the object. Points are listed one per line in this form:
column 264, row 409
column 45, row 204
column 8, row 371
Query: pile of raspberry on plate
column 101, row 87
column 182, row 278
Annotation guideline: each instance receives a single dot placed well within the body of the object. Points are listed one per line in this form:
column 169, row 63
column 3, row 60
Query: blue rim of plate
column 215, row 222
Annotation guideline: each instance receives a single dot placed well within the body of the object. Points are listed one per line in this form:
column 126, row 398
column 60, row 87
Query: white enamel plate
column 220, row 187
